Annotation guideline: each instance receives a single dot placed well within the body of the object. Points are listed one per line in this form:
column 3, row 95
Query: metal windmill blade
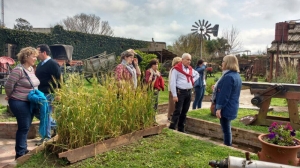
column 208, row 36
column 206, row 23
column 208, row 26
column 203, row 22
column 197, row 24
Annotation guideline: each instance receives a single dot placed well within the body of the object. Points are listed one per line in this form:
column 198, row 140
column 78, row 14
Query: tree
column 90, row 24
column 231, row 35
column 22, row 24
column 189, row 43
column 217, row 46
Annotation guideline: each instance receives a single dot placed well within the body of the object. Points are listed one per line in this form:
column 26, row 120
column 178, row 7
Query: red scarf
column 189, row 76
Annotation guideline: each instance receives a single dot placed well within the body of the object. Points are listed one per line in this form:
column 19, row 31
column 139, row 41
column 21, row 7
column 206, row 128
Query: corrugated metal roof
column 293, row 44
column 285, row 47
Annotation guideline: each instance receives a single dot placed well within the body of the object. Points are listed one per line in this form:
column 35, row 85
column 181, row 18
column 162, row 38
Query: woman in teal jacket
column 226, row 95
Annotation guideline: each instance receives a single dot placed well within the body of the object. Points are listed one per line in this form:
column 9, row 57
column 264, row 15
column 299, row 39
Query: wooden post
column 271, row 67
column 262, row 114
column 277, row 62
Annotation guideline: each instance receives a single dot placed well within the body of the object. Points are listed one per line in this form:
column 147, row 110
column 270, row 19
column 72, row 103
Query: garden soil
column 7, row 151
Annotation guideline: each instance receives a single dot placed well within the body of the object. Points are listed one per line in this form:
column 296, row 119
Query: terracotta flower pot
column 278, row 154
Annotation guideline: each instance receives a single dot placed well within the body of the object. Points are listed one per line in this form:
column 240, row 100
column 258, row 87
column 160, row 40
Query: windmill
column 204, row 29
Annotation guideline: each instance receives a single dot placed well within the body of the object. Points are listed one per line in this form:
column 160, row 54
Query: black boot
column 17, row 155
column 173, row 123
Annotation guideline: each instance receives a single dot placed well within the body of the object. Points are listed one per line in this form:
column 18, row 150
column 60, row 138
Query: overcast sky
column 164, row 20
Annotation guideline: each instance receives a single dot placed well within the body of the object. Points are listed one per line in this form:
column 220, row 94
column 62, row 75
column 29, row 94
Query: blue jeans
column 21, row 109
column 226, row 128
column 51, row 121
column 199, row 94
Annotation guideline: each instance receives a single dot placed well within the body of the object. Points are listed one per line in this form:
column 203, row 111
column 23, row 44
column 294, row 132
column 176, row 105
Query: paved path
column 7, row 151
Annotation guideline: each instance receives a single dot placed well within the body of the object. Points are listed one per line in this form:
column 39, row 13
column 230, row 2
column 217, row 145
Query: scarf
column 189, row 76
column 132, row 71
column 213, row 98
column 38, row 100
column 153, row 73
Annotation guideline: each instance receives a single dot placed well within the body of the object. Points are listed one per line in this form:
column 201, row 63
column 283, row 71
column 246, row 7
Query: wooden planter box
column 87, row 151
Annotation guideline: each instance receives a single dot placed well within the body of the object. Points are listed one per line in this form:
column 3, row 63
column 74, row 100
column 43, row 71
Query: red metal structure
column 5, row 68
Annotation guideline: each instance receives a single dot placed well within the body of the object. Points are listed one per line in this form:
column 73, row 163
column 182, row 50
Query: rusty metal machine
column 237, row 162
column 264, row 92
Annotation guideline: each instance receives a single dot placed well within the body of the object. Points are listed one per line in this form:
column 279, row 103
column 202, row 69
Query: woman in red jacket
column 154, row 80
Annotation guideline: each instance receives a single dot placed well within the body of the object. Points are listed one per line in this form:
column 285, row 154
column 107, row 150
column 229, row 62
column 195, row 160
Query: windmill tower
column 204, row 29
column 2, row 13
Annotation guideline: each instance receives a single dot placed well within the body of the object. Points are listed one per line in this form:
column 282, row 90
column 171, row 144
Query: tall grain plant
column 88, row 114
column 287, row 75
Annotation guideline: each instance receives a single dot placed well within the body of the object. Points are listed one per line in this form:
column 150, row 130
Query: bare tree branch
column 90, row 24
column 232, row 36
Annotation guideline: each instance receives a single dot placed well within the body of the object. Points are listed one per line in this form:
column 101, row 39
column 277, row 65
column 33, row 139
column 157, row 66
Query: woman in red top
column 154, row 79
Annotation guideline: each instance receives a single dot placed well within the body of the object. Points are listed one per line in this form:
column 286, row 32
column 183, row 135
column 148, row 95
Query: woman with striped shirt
column 17, row 88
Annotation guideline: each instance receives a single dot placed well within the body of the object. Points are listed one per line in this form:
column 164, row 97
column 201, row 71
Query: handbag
column 212, row 109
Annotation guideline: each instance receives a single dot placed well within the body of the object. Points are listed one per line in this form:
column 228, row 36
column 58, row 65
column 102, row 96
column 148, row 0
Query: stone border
column 213, row 130
column 8, row 130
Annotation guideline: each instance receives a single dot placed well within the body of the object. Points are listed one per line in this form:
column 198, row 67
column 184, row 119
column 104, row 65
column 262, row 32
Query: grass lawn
column 205, row 115
column 169, row 149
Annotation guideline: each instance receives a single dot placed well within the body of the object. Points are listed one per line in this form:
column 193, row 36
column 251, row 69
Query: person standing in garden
column 49, row 73
column 199, row 86
column 154, row 79
column 128, row 70
column 226, row 94
column 171, row 108
column 182, row 81
column 19, row 84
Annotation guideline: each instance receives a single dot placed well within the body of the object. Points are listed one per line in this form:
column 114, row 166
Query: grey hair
column 185, row 55
column 126, row 54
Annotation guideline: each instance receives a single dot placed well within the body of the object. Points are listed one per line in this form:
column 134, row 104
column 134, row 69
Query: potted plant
column 280, row 145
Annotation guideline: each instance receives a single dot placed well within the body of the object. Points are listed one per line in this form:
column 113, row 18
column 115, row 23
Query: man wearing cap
column 182, row 81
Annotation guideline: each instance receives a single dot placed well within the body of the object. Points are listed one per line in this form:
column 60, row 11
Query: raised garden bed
column 8, row 130
column 75, row 155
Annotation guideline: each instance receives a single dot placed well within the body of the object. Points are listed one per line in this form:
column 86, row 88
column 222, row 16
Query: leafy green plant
column 85, row 45
column 282, row 135
column 87, row 115
column 208, row 88
column 146, row 59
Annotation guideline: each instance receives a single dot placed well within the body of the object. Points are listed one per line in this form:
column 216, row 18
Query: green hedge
column 85, row 45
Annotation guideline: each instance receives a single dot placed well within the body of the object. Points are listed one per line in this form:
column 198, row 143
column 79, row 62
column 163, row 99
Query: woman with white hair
column 171, row 108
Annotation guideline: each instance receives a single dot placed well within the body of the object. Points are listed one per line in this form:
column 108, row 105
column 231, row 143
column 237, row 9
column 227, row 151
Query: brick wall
column 210, row 129
column 8, row 130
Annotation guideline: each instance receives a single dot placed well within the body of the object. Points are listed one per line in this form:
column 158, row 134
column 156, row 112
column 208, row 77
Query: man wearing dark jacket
column 47, row 71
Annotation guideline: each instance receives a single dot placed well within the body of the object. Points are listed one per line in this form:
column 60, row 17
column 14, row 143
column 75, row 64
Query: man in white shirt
column 182, row 81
